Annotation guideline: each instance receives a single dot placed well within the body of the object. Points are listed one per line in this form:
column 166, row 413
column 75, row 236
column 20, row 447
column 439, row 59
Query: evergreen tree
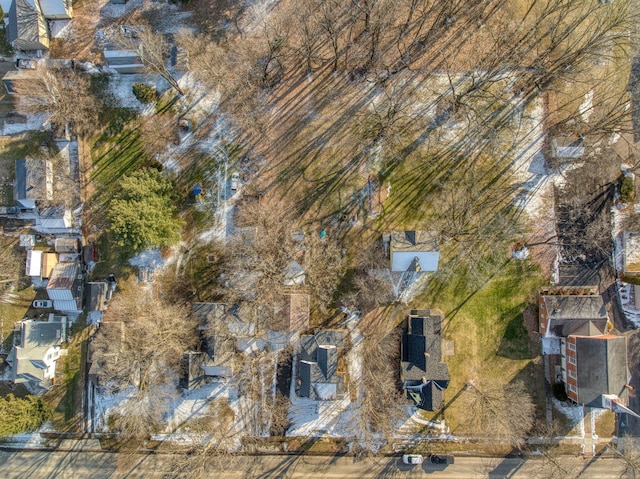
column 22, row 415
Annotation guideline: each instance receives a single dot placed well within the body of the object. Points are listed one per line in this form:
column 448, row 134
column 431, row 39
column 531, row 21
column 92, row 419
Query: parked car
column 412, row 459
column 441, row 459
column 42, row 303
column 235, row 178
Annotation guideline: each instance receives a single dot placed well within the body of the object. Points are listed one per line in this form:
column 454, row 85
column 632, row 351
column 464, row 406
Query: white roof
column 401, row 260
column 53, row 8
column 34, row 263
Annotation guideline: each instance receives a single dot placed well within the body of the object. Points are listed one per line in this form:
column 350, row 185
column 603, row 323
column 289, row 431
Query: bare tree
column 503, row 412
column 152, row 48
column 141, row 345
column 65, row 94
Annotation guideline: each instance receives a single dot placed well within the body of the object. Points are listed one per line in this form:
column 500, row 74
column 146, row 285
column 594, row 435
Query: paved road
column 97, row 465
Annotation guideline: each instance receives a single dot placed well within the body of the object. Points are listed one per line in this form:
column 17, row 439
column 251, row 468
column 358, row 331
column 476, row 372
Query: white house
column 35, row 352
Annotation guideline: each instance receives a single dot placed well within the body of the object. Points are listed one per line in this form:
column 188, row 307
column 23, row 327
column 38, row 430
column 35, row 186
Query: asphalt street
column 78, row 464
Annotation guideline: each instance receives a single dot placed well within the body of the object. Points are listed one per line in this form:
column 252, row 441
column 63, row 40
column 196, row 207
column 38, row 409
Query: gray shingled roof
column 576, row 314
column 422, row 371
column 601, row 368
column 318, row 365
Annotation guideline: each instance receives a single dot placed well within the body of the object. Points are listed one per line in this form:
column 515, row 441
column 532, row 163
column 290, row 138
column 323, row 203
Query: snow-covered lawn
column 329, row 418
column 575, row 415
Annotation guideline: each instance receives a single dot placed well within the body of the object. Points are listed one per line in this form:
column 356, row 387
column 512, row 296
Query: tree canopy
column 142, row 215
column 22, row 415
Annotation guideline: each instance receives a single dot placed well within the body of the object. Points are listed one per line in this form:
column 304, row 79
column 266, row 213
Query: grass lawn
column 66, row 396
column 13, row 309
column 491, row 342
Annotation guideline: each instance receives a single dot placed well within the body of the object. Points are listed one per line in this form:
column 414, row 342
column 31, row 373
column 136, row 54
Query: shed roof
column 96, row 294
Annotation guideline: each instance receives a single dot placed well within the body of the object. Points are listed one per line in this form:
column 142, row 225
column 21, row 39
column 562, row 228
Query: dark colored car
column 441, row 459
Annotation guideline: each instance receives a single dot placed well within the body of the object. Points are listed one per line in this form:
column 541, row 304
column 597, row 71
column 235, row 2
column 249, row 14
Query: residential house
column 595, row 370
column 412, row 251
column 65, row 287
column 13, row 78
column 35, row 352
column 34, row 180
column 561, row 315
column 202, row 369
column 423, row 373
column 32, row 22
column 319, row 372
column 27, row 29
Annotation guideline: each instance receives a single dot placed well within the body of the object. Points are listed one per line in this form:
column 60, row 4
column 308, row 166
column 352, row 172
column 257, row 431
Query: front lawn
column 491, row 342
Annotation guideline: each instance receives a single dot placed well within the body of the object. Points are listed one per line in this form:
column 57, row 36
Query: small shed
column 67, row 245
column 49, row 262
column 28, row 241
column 34, row 263
column 96, row 296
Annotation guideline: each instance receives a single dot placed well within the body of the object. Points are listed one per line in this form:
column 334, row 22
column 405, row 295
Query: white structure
column 35, row 351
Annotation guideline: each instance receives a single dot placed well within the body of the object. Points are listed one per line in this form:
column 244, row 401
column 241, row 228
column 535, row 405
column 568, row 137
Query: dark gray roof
column 27, row 29
column 96, row 294
column 601, row 368
column 318, row 365
column 422, row 370
column 576, row 314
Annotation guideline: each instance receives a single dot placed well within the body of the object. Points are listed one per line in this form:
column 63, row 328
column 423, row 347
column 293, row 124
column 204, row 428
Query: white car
column 42, row 303
column 412, row 459
column 235, row 179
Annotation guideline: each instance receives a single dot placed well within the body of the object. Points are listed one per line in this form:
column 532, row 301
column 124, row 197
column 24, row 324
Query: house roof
column 36, row 340
column 422, row 370
column 64, row 275
column 27, row 27
column 575, row 314
column 413, row 251
column 318, row 366
column 631, row 255
column 96, row 294
column 601, row 368
column 34, row 180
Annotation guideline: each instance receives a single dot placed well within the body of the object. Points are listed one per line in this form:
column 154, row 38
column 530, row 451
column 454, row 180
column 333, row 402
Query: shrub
column 626, row 189
column 559, row 392
column 145, row 93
